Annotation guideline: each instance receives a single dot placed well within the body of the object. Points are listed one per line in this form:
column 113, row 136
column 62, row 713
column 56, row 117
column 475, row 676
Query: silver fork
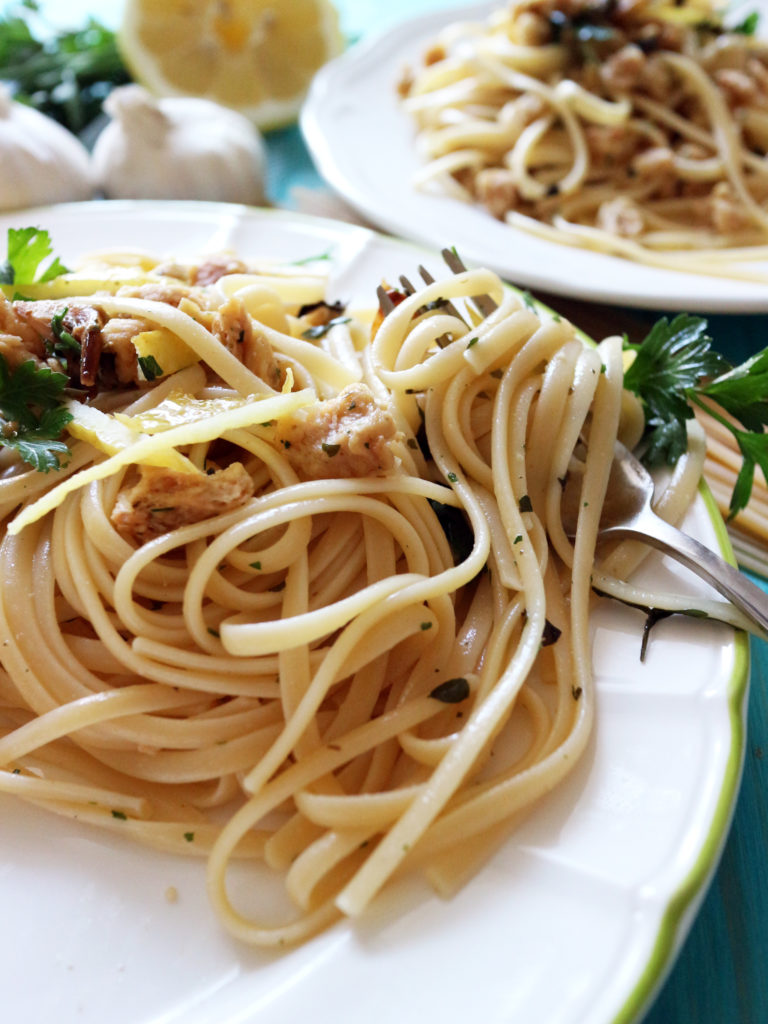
column 627, row 513
column 484, row 303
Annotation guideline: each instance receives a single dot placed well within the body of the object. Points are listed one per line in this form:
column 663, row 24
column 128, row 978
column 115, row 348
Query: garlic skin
column 178, row 147
column 40, row 161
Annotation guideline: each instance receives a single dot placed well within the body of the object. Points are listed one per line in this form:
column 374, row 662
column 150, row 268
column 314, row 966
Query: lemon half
column 256, row 56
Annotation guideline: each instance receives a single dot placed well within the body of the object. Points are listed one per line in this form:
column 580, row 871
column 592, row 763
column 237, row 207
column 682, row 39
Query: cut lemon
column 256, row 56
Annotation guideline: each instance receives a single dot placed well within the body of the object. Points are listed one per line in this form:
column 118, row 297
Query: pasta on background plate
column 299, row 590
column 632, row 127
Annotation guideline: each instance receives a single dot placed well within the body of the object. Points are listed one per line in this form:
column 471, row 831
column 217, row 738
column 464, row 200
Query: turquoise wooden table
column 720, row 976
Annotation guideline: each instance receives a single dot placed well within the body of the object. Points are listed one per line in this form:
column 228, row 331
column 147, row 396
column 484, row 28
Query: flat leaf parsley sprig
column 675, row 368
column 63, row 73
column 25, row 262
column 32, row 417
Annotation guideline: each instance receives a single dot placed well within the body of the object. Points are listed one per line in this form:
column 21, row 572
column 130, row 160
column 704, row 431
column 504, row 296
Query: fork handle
column 729, row 582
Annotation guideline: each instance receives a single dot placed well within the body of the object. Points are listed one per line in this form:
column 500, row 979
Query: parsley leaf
column 314, row 258
column 36, row 446
column 320, row 330
column 743, row 391
column 27, row 387
column 28, row 248
column 748, row 26
column 452, row 691
column 150, row 367
column 676, row 368
column 63, row 340
column 672, row 359
column 32, row 418
column 754, row 448
column 63, row 73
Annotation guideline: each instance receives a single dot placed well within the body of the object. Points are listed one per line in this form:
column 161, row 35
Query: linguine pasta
column 304, row 597
column 633, row 128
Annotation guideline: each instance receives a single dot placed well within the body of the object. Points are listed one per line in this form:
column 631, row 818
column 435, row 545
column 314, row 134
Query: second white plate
column 362, row 143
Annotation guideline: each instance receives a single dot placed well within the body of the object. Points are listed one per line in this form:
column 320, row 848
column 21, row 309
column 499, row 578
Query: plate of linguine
column 608, row 152
column 303, row 685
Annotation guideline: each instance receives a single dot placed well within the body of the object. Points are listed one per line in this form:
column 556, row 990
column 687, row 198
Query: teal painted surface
column 720, row 975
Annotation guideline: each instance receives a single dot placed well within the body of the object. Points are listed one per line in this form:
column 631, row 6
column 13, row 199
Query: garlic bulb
column 40, row 161
column 178, row 147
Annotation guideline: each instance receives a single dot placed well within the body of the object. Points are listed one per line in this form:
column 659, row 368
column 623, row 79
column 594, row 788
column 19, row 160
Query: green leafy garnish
column 28, row 387
column 320, row 330
column 31, row 416
column 452, row 691
column 64, row 74
column 669, row 363
column 456, row 528
column 63, row 341
column 550, row 635
column 314, row 258
column 748, row 26
column 28, row 249
column 676, row 368
column 589, row 33
column 150, row 368
column 584, row 32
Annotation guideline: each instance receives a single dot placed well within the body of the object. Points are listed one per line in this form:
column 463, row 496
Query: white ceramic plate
column 575, row 921
column 362, row 144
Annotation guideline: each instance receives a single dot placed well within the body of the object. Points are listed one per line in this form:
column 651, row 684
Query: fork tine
column 484, row 303
column 453, row 261
column 386, row 305
column 449, row 307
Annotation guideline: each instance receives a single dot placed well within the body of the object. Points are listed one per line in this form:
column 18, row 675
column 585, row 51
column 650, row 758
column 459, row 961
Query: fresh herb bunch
column 64, row 74
column 675, row 368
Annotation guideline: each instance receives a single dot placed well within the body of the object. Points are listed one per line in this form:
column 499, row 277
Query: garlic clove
column 40, row 161
column 177, row 148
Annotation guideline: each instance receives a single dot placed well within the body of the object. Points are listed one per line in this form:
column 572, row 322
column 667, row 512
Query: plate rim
column 679, row 904
column 685, row 900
